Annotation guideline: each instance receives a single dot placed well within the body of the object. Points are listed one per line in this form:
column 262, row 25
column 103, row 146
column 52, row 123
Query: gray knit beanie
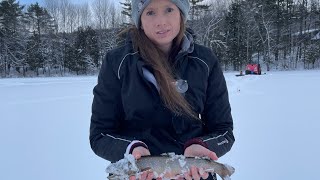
column 139, row 5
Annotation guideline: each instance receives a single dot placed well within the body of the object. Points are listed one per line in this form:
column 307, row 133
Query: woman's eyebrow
column 150, row 8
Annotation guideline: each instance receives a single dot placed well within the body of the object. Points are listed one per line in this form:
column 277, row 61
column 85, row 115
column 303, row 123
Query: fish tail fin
column 229, row 169
column 226, row 177
column 226, row 172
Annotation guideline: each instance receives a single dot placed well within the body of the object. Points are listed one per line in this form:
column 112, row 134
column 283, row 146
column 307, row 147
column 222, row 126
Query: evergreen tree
column 69, row 56
column 197, row 17
column 10, row 12
column 196, row 8
column 86, row 51
column 126, row 8
column 35, row 57
column 40, row 20
column 236, row 47
column 40, row 25
column 284, row 27
column 12, row 42
column 312, row 54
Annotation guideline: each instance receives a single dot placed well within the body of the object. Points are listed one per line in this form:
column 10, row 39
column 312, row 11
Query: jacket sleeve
column 217, row 113
column 107, row 111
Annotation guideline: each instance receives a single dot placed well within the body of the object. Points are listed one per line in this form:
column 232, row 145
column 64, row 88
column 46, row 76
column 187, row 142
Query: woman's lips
column 163, row 33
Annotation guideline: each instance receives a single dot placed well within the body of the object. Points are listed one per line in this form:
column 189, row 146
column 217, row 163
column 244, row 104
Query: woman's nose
column 161, row 21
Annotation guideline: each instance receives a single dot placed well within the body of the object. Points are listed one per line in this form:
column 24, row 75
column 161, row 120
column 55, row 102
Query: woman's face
column 160, row 21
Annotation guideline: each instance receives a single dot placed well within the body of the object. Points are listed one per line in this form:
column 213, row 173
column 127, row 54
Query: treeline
column 61, row 38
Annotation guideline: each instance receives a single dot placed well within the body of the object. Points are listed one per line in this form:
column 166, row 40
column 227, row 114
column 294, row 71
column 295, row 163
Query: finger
column 147, row 152
column 187, row 176
column 132, row 178
column 179, row 178
column 203, row 174
column 150, row 176
column 137, row 155
column 143, row 175
column 213, row 156
column 195, row 173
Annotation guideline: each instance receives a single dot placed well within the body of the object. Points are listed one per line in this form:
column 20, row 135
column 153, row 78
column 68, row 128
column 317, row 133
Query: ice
column 122, row 167
column 45, row 127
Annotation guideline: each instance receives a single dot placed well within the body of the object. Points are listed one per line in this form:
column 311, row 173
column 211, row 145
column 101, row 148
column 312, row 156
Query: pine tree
column 236, row 51
column 35, row 58
column 40, row 25
column 196, row 8
column 126, row 8
column 86, row 51
column 40, row 20
column 12, row 36
column 312, row 54
column 197, row 12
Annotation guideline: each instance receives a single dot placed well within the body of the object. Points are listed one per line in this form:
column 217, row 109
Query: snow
column 45, row 127
column 123, row 167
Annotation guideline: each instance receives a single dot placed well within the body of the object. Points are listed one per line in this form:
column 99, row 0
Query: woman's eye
column 150, row 13
column 170, row 9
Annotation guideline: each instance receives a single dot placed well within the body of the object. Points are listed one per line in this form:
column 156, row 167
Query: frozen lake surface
column 45, row 127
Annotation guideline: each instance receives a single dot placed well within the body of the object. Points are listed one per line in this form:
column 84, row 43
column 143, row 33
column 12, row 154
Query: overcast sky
column 25, row 2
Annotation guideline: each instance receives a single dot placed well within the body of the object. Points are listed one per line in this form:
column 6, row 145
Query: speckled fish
column 167, row 167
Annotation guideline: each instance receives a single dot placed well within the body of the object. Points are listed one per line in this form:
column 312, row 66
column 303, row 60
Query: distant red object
column 253, row 69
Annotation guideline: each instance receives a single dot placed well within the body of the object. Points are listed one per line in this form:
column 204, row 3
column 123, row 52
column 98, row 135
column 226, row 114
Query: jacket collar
column 187, row 42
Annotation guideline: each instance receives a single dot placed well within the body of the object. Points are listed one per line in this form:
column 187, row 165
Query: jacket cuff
column 198, row 141
column 135, row 144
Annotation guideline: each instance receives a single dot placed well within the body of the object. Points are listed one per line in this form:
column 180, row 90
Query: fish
column 166, row 166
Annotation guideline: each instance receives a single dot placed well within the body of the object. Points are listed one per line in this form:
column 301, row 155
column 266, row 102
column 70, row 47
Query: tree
column 84, row 15
column 12, row 36
column 104, row 12
column 235, row 32
column 198, row 16
column 35, row 57
column 41, row 25
column 126, row 8
column 264, row 20
column 197, row 8
column 312, row 54
column 39, row 20
column 86, row 51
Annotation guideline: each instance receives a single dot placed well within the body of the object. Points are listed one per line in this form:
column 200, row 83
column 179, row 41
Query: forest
column 61, row 38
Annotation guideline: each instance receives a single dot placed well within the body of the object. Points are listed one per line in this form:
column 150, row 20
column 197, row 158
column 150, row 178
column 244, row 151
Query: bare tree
column 53, row 9
column 71, row 16
column 101, row 11
column 84, row 15
column 59, row 11
column 113, row 15
column 64, row 6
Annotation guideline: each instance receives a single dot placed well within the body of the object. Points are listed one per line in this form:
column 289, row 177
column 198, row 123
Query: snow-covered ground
column 45, row 125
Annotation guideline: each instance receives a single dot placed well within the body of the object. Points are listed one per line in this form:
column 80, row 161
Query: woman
column 160, row 92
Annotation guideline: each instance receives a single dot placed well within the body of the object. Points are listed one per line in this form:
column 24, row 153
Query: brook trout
column 167, row 167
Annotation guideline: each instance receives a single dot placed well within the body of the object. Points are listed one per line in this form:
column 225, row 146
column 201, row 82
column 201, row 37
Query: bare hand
column 197, row 150
column 137, row 153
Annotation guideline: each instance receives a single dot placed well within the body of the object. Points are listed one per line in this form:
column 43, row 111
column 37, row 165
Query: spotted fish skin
column 168, row 166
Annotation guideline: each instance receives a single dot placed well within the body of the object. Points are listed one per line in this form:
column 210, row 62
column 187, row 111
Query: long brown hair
column 162, row 67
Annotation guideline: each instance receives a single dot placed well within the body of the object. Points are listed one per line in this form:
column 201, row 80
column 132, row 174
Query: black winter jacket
column 127, row 107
